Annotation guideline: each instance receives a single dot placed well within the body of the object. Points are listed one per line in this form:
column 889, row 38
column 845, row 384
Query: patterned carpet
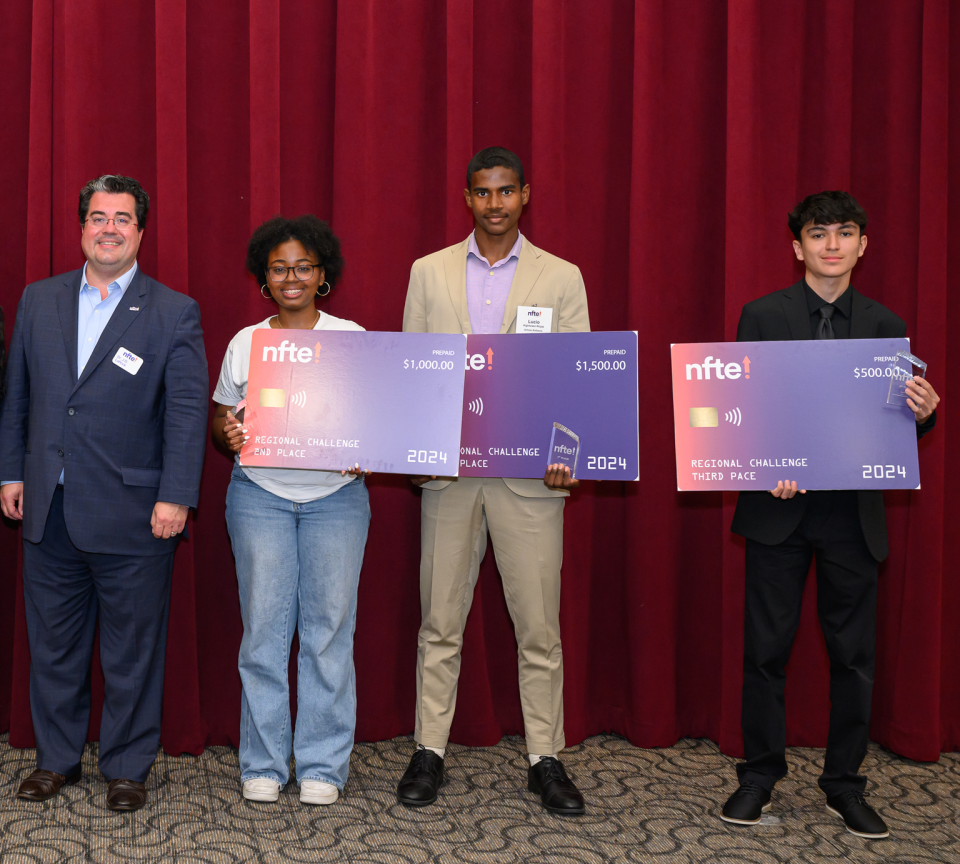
column 643, row 806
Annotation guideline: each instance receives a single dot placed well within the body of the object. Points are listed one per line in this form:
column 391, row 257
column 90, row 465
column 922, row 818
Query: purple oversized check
column 334, row 398
column 749, row 414
column 531, row 400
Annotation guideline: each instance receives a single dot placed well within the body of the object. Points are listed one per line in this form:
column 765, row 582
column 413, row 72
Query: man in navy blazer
column 102, row 434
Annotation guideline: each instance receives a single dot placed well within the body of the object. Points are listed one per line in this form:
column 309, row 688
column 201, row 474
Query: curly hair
column 314, row 235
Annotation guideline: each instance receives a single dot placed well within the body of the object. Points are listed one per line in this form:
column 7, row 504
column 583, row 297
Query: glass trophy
column 902, row 371
column 564, row 448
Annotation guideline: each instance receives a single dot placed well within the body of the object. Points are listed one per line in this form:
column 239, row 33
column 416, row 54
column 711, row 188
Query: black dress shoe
column 423, row 777
column 859, row 817
column 42, row 785
column 557, row 792
column 746, row 805
column 124, row 795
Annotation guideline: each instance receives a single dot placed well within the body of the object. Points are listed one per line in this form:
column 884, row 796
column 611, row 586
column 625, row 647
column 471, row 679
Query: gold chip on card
column 698, row 416
column 277, row 398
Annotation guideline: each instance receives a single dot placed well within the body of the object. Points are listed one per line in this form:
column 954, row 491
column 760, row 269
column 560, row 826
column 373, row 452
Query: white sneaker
column 261, row 789
column 318, row 792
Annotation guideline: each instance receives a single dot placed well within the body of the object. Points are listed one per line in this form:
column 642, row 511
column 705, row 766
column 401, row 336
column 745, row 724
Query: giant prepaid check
column 331, row 399
column 749, row 414
column 534, row 399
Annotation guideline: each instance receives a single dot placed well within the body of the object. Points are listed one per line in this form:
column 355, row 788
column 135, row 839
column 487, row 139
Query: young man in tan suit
column 475, row 287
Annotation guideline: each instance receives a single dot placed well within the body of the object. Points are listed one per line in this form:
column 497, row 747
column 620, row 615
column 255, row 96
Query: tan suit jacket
column 437, row 303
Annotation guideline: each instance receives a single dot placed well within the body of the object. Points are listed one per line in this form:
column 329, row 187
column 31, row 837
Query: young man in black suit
column 846, row 530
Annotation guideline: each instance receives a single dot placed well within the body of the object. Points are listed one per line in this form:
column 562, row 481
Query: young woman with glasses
column 298, row 538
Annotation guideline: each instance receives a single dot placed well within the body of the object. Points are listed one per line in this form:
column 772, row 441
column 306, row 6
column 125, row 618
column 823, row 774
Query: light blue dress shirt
column 94, row 313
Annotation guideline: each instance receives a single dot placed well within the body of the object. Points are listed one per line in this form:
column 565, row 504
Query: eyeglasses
column 119, row 222
column 302, row 271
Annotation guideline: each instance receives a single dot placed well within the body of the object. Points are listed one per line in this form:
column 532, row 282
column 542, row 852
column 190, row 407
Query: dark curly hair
column 826, row 208
column 314, row 235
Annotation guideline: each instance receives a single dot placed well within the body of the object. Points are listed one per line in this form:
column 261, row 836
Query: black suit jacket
column 781, row 317
column 125, row 441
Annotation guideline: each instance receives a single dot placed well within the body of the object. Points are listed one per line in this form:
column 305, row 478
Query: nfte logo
column 476, row 362
column 722, row 370
column 533, row 313
column 297, row 355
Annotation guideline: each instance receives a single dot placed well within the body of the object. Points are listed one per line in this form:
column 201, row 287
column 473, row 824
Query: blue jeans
column 298, row 566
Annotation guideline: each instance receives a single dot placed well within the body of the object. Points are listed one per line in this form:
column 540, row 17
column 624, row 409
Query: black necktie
column 825, row 328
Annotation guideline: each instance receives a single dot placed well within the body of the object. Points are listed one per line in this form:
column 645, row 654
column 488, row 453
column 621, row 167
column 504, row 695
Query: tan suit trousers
column 527, row 535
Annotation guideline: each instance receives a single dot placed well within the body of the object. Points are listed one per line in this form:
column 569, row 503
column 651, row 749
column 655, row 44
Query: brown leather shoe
column 126, row 795
column 42, row 785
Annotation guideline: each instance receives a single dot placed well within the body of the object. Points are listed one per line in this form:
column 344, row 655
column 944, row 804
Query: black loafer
column 556, row 790
column 859, row 817
column 421, row 781
column 746, row 805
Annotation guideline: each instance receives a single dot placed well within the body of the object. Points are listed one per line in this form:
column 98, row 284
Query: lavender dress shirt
column 488, row 287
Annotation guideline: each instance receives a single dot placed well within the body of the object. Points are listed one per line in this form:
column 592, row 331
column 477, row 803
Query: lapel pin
column 134, row 308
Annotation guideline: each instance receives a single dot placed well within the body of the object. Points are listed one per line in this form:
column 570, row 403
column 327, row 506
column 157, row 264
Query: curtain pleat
column 664, row 141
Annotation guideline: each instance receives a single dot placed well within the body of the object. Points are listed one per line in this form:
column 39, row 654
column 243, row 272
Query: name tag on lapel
column 534, row 319
column 128, row 361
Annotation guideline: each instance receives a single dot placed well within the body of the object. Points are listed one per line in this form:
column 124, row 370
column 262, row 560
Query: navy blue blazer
column 125, row 441
column 781, row 317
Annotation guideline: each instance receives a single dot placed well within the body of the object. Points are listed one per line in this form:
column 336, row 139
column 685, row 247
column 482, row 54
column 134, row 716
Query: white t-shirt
column 294, row 484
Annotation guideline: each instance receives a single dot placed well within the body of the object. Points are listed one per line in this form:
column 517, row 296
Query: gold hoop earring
column 267, row 295
column 324, row 294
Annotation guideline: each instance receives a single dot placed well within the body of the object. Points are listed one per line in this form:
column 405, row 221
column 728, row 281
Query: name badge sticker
column 128, row 361
column 534, row 319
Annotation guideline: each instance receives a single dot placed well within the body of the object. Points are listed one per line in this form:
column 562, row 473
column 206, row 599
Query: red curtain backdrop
column 665, row 141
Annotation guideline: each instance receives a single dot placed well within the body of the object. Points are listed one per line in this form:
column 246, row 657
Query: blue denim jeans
column 298, row 566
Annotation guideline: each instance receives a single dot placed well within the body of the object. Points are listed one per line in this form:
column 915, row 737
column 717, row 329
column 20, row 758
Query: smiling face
column 497, row 200
column 830, row 251
column 291, row 293
column 109, row 250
